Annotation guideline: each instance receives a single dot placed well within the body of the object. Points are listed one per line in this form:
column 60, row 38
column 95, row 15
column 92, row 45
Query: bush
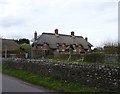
column 94, row 57
column 111, row 48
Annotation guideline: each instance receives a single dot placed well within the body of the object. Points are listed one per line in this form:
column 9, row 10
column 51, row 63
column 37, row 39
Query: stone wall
column 96, row 75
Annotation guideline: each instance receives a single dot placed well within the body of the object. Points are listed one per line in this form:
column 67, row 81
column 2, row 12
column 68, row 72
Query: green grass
column 48, row 81
column 78, row 61
column 64, row 60
column 0, row 67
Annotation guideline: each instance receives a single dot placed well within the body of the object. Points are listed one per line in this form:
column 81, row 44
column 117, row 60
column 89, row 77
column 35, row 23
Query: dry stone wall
column 97, row 75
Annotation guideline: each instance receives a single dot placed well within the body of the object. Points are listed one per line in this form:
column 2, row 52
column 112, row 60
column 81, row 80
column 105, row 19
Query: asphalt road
column 11, row 84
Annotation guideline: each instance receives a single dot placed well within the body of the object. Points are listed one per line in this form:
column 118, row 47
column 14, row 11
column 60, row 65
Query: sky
column 95, row 19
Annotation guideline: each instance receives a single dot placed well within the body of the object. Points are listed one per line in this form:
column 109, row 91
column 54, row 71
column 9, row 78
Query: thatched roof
column 53, row 39
column 9, row 45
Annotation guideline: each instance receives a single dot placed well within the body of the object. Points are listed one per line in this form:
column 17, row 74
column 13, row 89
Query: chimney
column 72, row 33
column 35, row 35
column 56, row 31
column 86, row 38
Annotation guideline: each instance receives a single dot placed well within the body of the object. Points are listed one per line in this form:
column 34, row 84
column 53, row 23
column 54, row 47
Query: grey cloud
column 112, row 20
column 10, row 21
column 105, row 5
column 2, row 2
column 85, row 18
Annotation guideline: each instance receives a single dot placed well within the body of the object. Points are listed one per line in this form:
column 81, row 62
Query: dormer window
column 63, row 44
column 80, row 45
column 58, row 44
column 74, row 45
column 45, row 44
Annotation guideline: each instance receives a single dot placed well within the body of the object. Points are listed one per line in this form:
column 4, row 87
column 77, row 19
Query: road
column 11, row 84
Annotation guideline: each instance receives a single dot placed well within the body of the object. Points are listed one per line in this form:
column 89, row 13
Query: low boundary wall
column 96, row 75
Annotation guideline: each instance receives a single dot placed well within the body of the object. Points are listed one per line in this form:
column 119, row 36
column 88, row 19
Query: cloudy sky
column 95, row 19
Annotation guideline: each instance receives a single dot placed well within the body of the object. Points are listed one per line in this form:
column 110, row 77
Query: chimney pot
column 35, row 35
column 56, row 31
column 72, row 33
column 86, row 38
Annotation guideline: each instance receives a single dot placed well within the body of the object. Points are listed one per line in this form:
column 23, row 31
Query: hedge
column 94, row 57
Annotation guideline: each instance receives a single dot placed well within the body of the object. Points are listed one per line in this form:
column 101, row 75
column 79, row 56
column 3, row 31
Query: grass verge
column 47, row 81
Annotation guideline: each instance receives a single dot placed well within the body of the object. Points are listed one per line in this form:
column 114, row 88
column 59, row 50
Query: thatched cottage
column 52, row 43
column 10, row 48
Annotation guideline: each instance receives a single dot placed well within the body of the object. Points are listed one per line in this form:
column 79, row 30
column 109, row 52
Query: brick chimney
column 72, row 33
column 35, row 35
column 86, row 38
column 56, row 31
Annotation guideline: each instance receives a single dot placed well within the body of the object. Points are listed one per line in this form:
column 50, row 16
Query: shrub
column 111, row 48
column 94, row 57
